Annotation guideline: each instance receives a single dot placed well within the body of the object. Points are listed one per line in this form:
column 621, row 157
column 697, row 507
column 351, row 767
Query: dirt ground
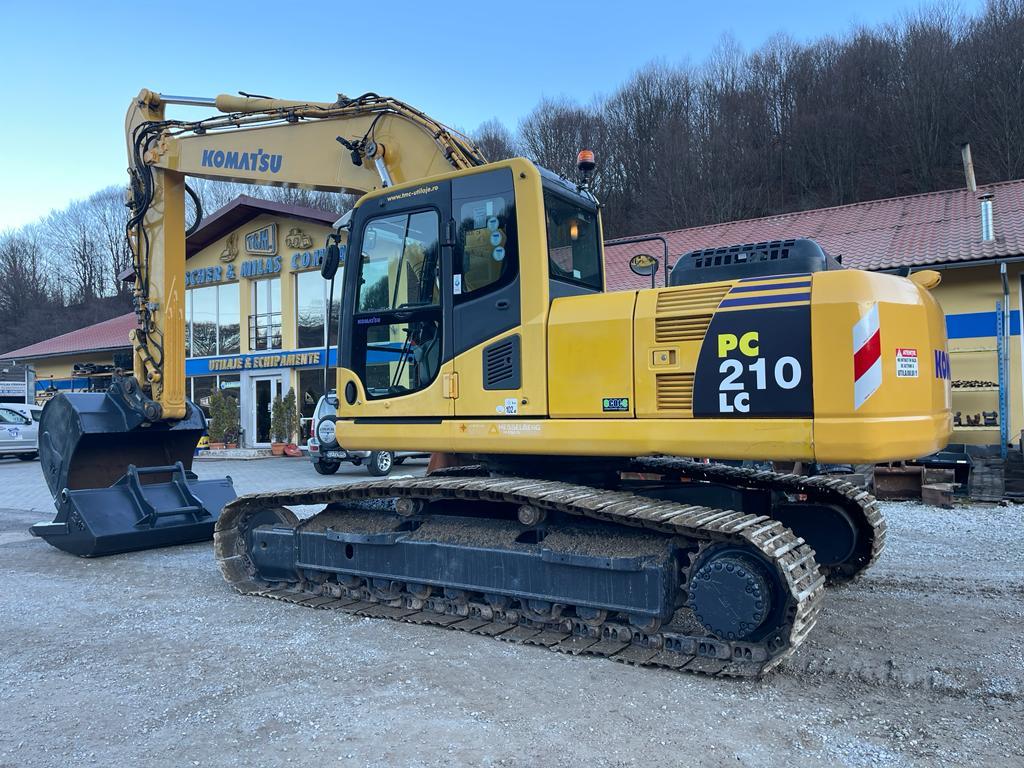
column 150, row 659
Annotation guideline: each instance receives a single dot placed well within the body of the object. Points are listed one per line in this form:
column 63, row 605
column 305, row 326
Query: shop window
column 204, row 321
column 188, row 324
column 229, row 318
column 212, row 320
column 230, row 384
column 199, row 389
column 265, row 320
column 202, row 388
column 311, row 293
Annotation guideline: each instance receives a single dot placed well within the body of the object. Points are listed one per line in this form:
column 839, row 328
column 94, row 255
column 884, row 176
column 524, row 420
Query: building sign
column 308, row 259
column 254, row 361
column 278, row 360
column 208, row 275
column 261, row 267
column 12, row 389
column 262, row 241
column 252, row 268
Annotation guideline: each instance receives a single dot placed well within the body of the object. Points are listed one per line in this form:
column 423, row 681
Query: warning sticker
column 519, row 428
column 906, row 363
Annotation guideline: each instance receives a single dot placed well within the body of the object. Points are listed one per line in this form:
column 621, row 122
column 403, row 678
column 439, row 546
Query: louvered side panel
column 684, row 314
column 675, row 392
column 698, row 298
column 687, row 328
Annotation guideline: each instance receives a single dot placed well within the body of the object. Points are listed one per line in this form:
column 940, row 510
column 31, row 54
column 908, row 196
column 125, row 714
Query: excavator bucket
column 121, row 483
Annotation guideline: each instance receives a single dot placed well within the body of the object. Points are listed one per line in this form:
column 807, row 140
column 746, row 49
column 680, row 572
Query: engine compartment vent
column 675, row 392
column 684, row 314
column 764, row 259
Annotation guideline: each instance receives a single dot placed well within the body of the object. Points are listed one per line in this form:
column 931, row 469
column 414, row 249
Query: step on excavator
column 475, row 322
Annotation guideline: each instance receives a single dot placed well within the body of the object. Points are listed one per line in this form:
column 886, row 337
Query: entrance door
column 264, row 392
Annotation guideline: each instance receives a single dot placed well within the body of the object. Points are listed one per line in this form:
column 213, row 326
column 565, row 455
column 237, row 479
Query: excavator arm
column 118, row 463
column 352, row 145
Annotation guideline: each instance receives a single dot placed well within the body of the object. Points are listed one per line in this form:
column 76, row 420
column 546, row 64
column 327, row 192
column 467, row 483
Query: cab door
column 489, row 342
column 399, row 307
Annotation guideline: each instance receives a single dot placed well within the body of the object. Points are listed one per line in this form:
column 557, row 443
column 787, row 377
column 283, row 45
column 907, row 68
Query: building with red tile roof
column 934, row 230
column 108, row 336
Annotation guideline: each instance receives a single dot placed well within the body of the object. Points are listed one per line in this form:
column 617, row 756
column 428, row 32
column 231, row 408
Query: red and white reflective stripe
column 867, row 357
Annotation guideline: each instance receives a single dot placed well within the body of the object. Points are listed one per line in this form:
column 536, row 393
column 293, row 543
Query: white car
column 19, row 430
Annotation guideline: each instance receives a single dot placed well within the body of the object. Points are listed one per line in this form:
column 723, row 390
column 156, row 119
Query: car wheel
column 380, row 463
column 326, row 467
column 28, row 456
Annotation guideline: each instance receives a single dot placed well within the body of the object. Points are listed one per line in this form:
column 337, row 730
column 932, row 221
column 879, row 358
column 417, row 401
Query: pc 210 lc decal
column 755, row 363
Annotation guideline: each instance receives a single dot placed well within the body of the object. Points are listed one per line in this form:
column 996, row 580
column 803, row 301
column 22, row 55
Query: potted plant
column 290, row 417
column 232, row 419
column 218, row 421
column 278, row 436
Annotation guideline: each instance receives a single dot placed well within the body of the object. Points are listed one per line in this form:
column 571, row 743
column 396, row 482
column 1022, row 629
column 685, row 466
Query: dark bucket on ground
column 121, row 483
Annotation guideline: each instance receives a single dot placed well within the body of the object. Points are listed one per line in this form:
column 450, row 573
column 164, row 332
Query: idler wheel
column 729, row 594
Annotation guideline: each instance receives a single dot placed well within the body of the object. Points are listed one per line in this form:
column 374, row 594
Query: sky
column 71, row 68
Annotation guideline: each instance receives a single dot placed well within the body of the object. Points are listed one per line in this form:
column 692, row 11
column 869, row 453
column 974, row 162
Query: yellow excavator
column 475, row 322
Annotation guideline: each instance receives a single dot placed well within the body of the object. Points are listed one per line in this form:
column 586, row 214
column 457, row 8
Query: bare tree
column 495, row 140
column 995, row 79
column 109, row 219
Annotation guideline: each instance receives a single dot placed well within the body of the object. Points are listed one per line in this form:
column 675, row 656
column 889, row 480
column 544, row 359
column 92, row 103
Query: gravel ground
column 149, row 659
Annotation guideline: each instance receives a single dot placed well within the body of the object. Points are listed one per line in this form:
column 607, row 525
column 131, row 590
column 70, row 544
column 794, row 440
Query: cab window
column 574, row 245
column 400, row 263
column 396, row 342
column 487, row 249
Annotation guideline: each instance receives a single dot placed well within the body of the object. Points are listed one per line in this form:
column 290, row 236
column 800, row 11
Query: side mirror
column 643, row 264
column 332, row 260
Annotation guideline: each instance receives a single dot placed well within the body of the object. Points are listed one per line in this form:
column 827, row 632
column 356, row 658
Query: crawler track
column 860, row 505
column 681, row 645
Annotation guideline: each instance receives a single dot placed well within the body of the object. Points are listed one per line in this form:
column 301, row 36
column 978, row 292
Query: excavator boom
column 118, row 465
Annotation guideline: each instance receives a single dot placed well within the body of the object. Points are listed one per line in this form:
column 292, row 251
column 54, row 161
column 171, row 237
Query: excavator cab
column 121, row 483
